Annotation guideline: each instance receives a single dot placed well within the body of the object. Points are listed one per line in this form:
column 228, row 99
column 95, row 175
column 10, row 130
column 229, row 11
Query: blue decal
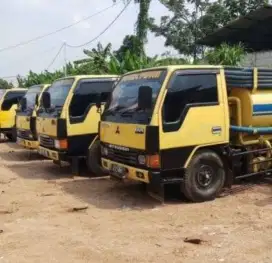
column 262, row 109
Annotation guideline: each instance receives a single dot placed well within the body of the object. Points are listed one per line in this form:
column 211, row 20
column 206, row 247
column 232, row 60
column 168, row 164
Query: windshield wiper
column 55, row 107
column 130, row 112
column 127, row 113
column 114, row 110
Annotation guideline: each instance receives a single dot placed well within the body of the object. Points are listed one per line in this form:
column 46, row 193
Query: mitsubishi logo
column 117, row 130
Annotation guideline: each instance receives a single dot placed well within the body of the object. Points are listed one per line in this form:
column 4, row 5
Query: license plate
column 118, row 170
column 44, row 152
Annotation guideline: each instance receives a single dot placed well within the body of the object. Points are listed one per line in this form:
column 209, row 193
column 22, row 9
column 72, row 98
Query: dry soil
column 120, row 222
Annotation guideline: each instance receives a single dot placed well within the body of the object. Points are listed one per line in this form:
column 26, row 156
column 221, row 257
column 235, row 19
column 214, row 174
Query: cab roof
column 176, row 67
column 89, row 77
column 17, row 89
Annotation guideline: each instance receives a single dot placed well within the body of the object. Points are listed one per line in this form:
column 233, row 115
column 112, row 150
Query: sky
column 22, row 20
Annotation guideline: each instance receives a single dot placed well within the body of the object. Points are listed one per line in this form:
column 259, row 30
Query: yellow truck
column 9, row 100
column 26, row 117
column 67, row 120
column 199, row 127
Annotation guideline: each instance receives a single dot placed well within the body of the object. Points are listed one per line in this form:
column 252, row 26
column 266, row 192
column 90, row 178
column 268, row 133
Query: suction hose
column 251, row 130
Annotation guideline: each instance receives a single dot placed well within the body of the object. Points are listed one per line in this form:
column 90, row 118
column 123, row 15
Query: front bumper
column 130, row 172
column 52, row 154
column 33, row 145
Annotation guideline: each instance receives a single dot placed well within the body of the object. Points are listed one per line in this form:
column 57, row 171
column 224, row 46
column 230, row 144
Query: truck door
column 193, row 115
column 83, row 115
column 8, row 108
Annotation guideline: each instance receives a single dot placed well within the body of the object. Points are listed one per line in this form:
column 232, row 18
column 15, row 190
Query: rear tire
column 204, row 177
column 12, row 136
column 94, row 160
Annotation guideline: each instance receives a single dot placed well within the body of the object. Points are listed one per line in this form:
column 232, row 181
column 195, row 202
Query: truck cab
column 67, row 121
column 26, row 117
column 9, row 100
column 161, row 123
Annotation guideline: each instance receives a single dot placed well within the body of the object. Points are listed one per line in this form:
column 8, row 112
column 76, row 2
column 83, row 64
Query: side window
column 86, row 94
column 10, row 99
column 187, row 91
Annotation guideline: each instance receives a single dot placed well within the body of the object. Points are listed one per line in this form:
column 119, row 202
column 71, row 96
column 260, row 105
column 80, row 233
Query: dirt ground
column 121, row 223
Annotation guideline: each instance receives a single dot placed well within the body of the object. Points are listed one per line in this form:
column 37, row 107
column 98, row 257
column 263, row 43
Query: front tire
column 94, row 160
column 204, row 177
column 12, row 136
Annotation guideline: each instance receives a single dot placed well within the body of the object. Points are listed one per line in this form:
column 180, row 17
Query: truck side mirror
column 23, row 103
column 37, row 100
column 46, row 100
column 145, row 97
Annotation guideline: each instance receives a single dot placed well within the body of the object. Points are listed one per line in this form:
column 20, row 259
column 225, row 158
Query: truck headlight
column 104, row 151
column 61, row 144
column 142, row 159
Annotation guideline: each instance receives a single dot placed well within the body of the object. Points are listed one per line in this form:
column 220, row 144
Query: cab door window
column 10, row 99
column 185, row 92
column 85, row 96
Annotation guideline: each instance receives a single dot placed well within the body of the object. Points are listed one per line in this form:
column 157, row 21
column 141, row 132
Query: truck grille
column 126, row 157
column 24, row 134
column 46, row 142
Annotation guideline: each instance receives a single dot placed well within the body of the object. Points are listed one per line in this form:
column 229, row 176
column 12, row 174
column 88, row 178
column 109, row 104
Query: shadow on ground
column 107, row 194
column 9, row 144
column 43, row 169
column 267, row 191
column 261, row 184
column 21, row 155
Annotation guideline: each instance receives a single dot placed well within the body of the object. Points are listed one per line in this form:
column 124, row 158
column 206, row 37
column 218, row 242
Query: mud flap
column 75, row 164
column 156, row 191
column 229, row 179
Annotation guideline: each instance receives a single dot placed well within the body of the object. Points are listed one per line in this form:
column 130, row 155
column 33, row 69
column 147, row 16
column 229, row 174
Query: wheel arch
column 220, row 150
column 94, row 140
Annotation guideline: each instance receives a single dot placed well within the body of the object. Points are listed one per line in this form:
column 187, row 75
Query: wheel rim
column 205, row 176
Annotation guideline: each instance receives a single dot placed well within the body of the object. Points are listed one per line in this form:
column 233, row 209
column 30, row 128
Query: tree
column 5, row 85
column 142, row 24
column 131, row 43
column 182, row 29
column 97, row 58
column 222, row 12
column 193, row 19
column 237, row 8
column 131, row 62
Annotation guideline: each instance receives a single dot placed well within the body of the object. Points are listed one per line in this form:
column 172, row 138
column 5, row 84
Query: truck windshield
column 2, row 92
column 30, row 96
column 123, row 104
column 59, row 92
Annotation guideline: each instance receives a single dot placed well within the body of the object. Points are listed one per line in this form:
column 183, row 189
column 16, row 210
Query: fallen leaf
column 49, row 194
column 5, row 212
column 196, row 241
column 76, row 209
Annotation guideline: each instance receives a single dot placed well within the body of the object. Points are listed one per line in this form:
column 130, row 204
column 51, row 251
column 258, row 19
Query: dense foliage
column 225, row 55
column 5, row 84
